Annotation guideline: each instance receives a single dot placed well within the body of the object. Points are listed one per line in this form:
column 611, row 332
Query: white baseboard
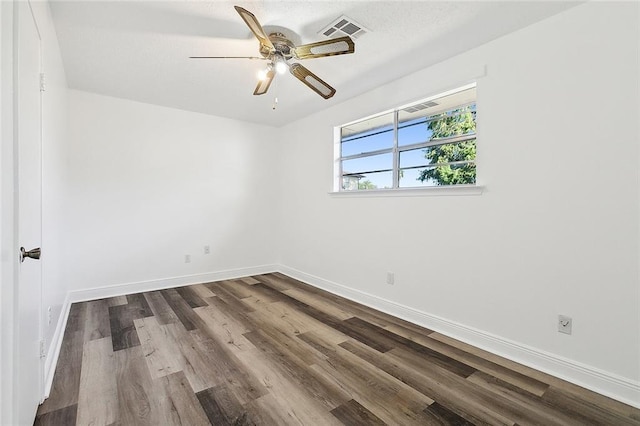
column 158, row 284
column 51, row 360
column 602, row 382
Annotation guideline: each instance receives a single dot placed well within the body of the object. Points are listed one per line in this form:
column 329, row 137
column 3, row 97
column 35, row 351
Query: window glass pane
column 451, row 152
column 449, row 174
column 372, row 163
column 446, row 153
column 412, row 130
column 414, row 157
column 409, row 179
column 369, row 135
column 362, row 181
column 456, row 122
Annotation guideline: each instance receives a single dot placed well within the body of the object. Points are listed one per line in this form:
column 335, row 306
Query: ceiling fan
column 278, row 51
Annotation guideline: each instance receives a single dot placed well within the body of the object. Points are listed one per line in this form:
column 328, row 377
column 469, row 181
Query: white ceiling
column 139, row 49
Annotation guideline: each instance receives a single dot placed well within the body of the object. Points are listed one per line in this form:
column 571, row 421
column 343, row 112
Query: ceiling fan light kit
column 281, row 67
column 279, row 50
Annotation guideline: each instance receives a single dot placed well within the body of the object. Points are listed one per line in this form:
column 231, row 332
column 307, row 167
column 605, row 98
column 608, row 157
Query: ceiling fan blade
column 255, row 27
column 227, row 57
column 336, row 46
column 263, row 85
column 314, row 82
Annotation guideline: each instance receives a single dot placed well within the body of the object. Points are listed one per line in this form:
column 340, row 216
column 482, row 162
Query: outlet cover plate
column 564, row 324
column 391, row 278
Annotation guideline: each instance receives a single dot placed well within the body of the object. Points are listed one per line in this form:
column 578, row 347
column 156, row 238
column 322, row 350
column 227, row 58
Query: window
column 428, row 143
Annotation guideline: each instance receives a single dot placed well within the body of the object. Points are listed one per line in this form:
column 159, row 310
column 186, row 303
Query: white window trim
column 429, row 191
column 444, row 190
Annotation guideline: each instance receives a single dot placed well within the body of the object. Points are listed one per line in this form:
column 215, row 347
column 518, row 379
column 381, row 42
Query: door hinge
column 42, row 82
column 42, row 349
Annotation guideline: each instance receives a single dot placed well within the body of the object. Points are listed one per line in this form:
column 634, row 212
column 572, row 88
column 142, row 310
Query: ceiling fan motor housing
column 283, row 47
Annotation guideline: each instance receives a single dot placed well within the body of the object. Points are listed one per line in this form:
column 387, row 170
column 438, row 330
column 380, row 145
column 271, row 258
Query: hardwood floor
column 269, row 350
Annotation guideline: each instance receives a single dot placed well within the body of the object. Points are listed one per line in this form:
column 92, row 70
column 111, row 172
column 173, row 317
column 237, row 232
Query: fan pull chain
column 275, row 99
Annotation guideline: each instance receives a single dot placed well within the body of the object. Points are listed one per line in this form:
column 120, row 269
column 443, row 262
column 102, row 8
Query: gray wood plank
column 98, row 395
column 184, row 400
column 138, row 303
column 61, row 416
column 97, row 320
column 352, row 413
column 223, row 408
column 123, row 332
column 440, row 415
column 191, row 297
column 181, row 308
column 160, row 308
column 141, row 400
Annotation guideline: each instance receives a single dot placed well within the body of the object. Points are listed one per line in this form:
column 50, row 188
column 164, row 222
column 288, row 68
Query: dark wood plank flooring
column 270, row 350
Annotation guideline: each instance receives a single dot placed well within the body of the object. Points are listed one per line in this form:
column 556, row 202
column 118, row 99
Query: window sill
column 413, row 192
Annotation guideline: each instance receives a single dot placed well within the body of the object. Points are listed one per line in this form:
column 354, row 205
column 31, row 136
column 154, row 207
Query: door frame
column 8, row 225
column 9, row 259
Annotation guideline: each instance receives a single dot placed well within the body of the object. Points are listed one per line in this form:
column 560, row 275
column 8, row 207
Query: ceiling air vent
column 344, row 26
column 419, row 107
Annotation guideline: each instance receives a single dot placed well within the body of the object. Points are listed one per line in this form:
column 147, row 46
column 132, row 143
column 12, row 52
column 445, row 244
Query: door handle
column 33, row 253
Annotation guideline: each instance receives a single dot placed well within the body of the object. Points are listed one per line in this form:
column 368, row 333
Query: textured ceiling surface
column 140, row 50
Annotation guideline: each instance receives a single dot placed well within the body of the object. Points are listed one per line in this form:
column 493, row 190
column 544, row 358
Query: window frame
column 397, row 149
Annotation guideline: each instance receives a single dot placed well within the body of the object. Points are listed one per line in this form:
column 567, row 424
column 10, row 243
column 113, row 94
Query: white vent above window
column 344, row 26
column 419, row 107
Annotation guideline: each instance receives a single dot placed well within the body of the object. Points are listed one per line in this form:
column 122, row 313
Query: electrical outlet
column 390, row 278
column 564, row 324
column 187, row 258
column 207, row 249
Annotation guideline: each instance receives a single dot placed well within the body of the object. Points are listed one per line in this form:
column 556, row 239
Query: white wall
column 556, row 230
column 146, row 185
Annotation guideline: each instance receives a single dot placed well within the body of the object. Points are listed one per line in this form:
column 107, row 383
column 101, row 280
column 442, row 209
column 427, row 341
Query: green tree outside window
column 460, row 122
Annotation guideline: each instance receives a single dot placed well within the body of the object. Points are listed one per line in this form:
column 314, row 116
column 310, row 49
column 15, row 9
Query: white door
column 28, row 363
